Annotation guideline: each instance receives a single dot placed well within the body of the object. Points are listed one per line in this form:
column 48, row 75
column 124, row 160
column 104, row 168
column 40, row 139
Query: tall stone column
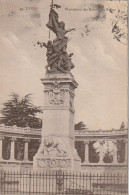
column 86, row 152
column 115, row 152
column 12, row 152
column 101, row 152
column 26, row 141
column 1, row 147
column 57, row 145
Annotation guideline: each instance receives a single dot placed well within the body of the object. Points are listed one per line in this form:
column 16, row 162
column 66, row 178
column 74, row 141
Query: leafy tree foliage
column 80, row 126
column 120, row 151
column 93, row 154
column 108, row 157
column 20, row 112
column 80, row 147
column 33, row 148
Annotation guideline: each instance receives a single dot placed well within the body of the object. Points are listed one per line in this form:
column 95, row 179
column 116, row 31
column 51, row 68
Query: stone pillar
column 12, row 152
column 101, row 152
column 126, row 151
column 1, row 147
column 26, row 141
column 86, row 152
column 57, row 149
column 115, row 151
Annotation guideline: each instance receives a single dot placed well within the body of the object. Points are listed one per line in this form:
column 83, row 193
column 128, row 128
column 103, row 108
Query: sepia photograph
column 64, row 97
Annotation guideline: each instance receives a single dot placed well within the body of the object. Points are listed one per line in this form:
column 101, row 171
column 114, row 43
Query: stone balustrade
column 101, row 132
column 28, row 130
column 19, row 130
column 101, row 153
column 122, row 134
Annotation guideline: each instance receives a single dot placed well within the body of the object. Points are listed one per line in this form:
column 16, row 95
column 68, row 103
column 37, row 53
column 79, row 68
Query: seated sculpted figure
column 59, row 44
column 64, row 63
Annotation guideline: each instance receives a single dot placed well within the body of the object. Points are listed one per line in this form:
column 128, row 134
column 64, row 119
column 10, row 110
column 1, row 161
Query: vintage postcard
column 64, row 97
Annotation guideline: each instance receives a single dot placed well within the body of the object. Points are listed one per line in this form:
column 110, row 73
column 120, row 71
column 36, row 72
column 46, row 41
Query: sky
column 99, row 45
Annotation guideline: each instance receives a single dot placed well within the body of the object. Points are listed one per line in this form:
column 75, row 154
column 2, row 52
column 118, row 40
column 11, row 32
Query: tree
column 80, row 126
column 80, row 147
column 20, row 112
column 108, row 157
column 93, row 153
column 121, row 151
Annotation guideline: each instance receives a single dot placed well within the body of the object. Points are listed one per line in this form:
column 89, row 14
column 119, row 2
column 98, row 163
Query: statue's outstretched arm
column 69, row 30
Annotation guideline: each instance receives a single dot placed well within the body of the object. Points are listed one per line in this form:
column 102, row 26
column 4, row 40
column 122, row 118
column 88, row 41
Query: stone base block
column 55, row 163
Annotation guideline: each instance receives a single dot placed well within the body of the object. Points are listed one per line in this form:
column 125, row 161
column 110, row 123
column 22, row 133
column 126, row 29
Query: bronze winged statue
column 57, row 57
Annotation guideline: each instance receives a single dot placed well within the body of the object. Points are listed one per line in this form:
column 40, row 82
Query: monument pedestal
column 57, row 149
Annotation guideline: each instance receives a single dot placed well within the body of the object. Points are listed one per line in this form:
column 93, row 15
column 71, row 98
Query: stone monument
column 57, row 149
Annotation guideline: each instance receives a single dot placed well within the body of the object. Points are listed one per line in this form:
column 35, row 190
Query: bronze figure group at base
column 57, row 57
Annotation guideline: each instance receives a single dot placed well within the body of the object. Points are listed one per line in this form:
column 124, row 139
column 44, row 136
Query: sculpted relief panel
column 53, row 146
column 56, row 94
column 56, row 97
column 54, row 163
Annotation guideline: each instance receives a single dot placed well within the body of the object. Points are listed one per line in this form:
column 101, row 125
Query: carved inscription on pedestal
column 54, row 163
